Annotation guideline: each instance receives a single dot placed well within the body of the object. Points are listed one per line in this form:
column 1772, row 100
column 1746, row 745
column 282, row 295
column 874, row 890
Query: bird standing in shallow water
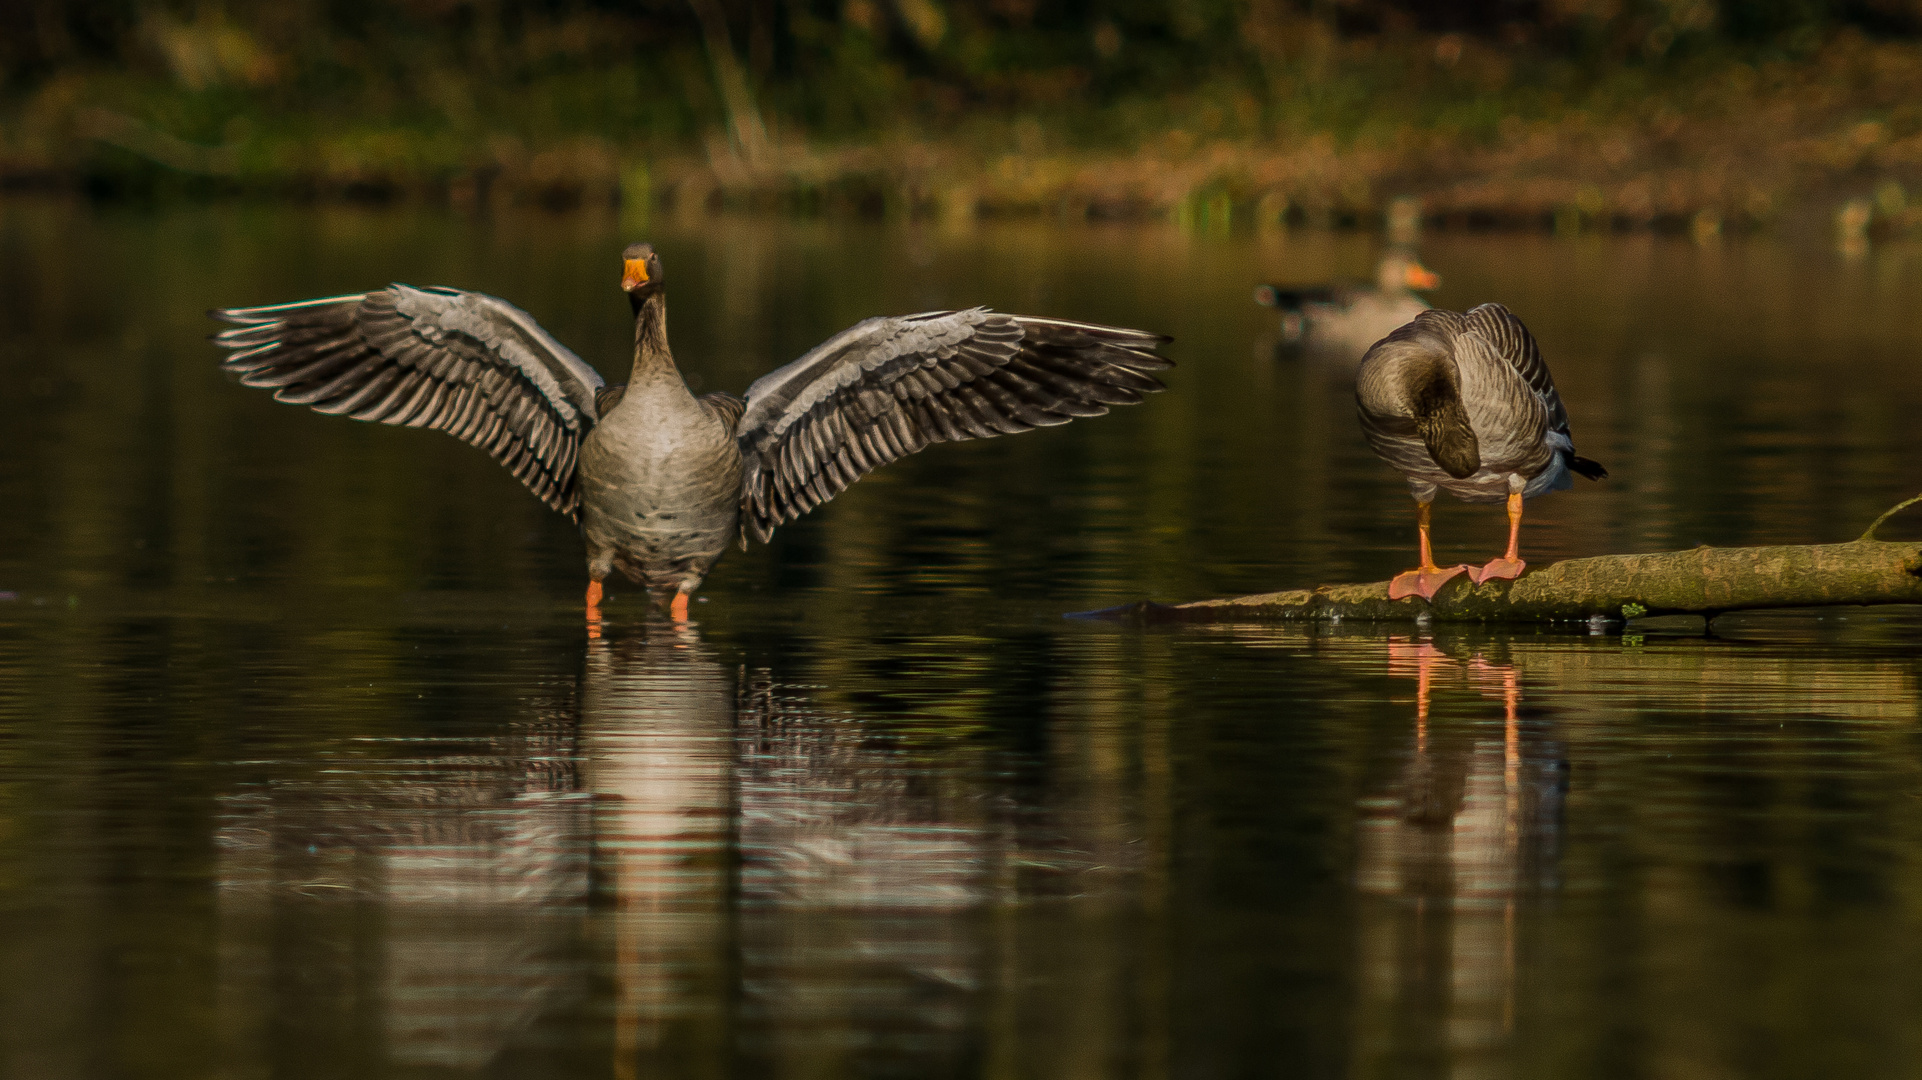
column 660, row 480
column 1464, row 403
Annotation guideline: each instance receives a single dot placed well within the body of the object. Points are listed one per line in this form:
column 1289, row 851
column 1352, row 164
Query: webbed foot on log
column 1424, row 581
column 1499, row 569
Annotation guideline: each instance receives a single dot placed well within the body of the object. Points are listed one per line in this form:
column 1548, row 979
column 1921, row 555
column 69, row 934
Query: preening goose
column 1464, row 403
column 660, row 480
column 1347, row 319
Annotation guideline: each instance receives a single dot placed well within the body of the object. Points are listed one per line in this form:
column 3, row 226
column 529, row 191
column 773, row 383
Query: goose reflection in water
column 743, row 834
column 657, row 727
column 700, row 851
column 1472, row 824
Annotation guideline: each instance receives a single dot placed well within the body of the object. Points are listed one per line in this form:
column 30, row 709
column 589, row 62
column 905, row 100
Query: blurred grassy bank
column 1573, row 114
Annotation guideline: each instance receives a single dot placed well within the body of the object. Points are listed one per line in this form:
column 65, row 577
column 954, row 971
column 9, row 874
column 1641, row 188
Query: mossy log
column 1703, row 581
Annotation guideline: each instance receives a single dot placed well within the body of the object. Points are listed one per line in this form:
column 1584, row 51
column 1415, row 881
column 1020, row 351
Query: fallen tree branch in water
column 1704, row 581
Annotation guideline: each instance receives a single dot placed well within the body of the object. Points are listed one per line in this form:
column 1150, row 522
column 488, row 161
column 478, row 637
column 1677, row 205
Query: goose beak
column 634, row 274
column 1421, row 277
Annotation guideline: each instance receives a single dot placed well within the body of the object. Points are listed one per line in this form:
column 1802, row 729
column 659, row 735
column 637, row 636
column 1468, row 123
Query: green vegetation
column 1571, row 113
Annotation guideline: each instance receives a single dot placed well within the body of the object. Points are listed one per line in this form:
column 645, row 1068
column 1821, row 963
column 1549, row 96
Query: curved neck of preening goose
column 1433, row 391
column 652, row 359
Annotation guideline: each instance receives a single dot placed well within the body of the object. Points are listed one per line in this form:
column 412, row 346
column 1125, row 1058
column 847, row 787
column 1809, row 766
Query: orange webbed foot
column 1499, row 569
column 1424, row 581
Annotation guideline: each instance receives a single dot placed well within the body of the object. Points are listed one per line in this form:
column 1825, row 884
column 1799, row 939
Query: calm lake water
column 307, row 768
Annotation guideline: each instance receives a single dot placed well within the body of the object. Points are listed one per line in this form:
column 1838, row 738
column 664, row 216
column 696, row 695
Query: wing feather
column 1511, row 341
column 887, row 387
column 465, row 363
column 1514, row 344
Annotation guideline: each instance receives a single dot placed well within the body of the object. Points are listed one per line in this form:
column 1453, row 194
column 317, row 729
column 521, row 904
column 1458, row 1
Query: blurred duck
column 1464, row 403
column 1346, row 319
column 659, row 480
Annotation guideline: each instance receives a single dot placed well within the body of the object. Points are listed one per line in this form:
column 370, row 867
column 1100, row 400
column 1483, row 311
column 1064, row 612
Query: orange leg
column 593, row 609
column 1509, row 566
column 678, row 609
column 1427, row 579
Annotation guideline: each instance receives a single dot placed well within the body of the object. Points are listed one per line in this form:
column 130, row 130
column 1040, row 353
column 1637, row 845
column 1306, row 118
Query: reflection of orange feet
column 1499, row 569
column 678, row 609
column 1424, row 581
column 593, row 609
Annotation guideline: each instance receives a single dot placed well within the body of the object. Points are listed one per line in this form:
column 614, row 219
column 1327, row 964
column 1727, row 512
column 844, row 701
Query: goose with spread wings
column 661, row 481
column 1464, row 403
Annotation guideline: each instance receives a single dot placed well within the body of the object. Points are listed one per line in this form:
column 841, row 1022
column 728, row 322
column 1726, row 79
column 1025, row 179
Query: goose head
column 640, row 273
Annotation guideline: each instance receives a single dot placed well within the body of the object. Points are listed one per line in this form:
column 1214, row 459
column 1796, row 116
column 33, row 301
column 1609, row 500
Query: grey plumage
column 1465, row 403
column 887, row 387
column 476, row 367
column 658, row 478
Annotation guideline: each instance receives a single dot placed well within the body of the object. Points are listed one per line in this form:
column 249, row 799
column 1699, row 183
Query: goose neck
column 652, row 358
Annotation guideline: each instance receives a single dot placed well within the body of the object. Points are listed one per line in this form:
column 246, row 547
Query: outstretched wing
column 473, row 366
column 887, row 387
column 1514, row 344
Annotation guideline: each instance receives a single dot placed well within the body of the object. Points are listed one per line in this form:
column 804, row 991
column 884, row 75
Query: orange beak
column 634, row 274
column 1421, row 277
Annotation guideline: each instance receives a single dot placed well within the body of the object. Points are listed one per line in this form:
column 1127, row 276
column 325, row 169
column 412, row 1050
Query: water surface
column 307, row 769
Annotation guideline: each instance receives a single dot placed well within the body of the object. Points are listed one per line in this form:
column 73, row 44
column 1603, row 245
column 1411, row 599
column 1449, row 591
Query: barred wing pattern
column 887, row 387
column 1513, row 343
column 465, row 363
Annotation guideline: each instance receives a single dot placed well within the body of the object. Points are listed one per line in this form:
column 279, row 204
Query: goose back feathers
column 1465, row 403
